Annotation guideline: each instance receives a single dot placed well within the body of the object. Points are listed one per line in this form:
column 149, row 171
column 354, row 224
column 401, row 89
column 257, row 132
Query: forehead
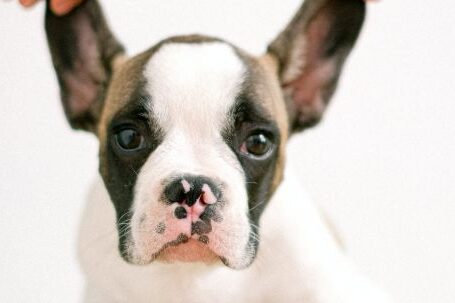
column 193, row 75
column 194, row 83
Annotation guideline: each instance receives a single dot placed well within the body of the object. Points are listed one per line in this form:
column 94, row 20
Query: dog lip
column 175, row 251
column 187, row 249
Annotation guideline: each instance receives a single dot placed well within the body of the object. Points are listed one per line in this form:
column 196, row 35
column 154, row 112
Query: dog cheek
column 149, row 228
column 229, row 239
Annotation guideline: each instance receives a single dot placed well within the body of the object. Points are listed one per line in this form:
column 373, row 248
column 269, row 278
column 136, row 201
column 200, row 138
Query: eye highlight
column 257, row 145
column 129, row 139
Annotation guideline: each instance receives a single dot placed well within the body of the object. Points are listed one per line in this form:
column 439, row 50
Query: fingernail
column 27, row 3
column 61, row 7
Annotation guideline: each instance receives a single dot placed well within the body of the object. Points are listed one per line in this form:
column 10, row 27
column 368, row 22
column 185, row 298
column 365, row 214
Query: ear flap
column 83, row 50
column 311, row 52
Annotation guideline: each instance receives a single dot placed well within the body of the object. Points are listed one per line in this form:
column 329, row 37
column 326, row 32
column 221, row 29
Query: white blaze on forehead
column 193, row 85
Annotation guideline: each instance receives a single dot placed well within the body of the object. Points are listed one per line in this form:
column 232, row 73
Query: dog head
column 192, row 131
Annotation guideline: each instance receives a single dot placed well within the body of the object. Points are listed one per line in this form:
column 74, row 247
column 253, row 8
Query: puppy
column 194, row 204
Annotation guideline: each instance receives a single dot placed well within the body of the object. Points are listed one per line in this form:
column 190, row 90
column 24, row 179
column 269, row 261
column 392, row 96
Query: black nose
column 189, row 189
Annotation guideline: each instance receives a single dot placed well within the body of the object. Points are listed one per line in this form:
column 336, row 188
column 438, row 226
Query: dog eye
column 129, row 139
column 256, row 145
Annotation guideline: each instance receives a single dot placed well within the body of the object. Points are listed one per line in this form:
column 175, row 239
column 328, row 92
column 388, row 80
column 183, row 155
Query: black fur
column 249, row 117
column 120, row 171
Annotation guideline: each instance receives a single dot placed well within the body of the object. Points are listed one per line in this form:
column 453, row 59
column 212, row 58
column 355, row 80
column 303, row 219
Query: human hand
column 59, row 7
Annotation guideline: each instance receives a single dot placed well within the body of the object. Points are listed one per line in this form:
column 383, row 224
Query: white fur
column 192, row 88
column 298, row 261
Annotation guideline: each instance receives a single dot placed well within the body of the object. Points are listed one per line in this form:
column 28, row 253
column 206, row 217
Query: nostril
column 180, row 212
column 175, row 192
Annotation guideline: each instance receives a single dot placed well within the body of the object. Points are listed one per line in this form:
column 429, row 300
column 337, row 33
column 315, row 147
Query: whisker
column 250, row 182
column 132, row 169
column 130, row 211
column 257, row 205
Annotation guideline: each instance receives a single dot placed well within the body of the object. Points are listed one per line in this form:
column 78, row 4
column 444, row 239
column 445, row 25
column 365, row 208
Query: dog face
column 198, row 143
column 192, row 131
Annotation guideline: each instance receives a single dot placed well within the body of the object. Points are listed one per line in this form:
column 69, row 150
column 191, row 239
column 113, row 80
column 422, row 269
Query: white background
column 382, row 163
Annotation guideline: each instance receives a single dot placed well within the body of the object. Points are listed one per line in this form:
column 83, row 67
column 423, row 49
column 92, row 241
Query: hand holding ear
column 59, row 7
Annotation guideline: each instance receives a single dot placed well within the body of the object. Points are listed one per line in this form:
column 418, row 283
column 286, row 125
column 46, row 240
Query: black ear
column 83, row 49
column 311, row 52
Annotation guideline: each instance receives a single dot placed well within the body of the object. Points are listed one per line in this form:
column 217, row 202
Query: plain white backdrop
column 382, row 163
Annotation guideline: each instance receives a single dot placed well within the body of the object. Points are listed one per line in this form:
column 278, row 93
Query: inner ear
column 311, row 52
column 83, row 50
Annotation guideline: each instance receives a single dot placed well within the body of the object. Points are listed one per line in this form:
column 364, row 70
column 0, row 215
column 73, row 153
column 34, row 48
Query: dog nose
column 194, row 193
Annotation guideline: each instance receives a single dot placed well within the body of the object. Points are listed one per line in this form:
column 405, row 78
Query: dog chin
column 189, row 252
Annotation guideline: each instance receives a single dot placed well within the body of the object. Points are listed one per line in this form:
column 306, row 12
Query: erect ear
column 83, row 50
column 311, row 52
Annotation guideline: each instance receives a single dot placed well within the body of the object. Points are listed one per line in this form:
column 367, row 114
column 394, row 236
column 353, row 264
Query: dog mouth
column 187, row 250
column 168, row 239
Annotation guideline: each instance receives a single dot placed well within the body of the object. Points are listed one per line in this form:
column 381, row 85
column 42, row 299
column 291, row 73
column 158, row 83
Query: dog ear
column 83, row 50
column 311, row 52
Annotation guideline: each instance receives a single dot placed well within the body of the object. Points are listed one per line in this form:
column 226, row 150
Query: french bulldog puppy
column 194, row 204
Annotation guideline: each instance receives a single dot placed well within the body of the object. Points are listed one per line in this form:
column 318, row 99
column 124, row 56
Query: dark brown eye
column 256, row 145
column 129, row 139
